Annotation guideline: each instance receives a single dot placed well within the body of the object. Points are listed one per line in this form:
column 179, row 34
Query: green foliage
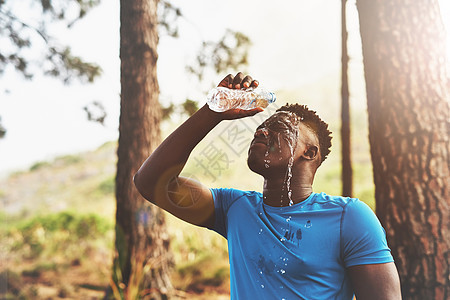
column 38, row 165
column 58, row 9
column 2, row 129
column 168, row 111
column 67, row 160
column 95, row 112
column 187, row 108
column 168, row 16
column 56, row 233
column 201, row 257
column 66, row 66
column 190, row 107
column 64, row 160
column 229, row 53
column 206, row 270
column 107, row 186
column 79, row 226
column 17, row 35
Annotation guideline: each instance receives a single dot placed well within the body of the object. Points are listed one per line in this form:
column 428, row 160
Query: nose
column 262, row 132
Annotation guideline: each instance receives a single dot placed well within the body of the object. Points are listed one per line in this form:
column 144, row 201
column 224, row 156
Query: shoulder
column 324, row 199
column 363, row 236
column 233, row 193
column 225, row 199
column 230, row 195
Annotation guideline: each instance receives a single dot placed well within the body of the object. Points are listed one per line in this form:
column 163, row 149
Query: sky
column 294, row 43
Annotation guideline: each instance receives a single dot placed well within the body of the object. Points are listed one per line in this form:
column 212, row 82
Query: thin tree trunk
column 141, row 237
column 408, row 104
column 347, row 172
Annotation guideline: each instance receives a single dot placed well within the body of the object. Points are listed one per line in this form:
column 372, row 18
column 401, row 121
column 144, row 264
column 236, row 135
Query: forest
column 75, row 226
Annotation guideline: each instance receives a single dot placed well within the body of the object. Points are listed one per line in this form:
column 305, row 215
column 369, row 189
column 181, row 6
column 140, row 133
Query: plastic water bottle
column 222, row 99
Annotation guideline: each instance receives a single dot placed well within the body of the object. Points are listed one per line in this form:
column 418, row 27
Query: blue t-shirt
column 299, row 251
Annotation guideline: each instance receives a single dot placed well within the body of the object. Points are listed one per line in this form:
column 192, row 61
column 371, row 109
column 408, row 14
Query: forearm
column 167, row 161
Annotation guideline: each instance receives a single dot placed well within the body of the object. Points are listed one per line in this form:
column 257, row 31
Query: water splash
column 266, row 160
column 283, row 126
column 291, row 134
column 308, row 224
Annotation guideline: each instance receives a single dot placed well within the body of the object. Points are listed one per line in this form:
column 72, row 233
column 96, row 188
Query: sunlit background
column 57, row 169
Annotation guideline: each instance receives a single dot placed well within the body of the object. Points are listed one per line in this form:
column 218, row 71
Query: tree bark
column 347, row 172
column 408, row 103
column 141, row 236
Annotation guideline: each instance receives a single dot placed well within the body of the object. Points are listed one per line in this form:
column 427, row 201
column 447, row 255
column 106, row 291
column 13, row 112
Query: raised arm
column 158, row 178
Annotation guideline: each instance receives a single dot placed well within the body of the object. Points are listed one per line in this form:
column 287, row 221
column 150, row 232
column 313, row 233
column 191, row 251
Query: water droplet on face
column 288, row 219
column 291, row 133
column 308, row 224
column 260, row 231
column 262, row 285
column 283, row 126
column 282, row 271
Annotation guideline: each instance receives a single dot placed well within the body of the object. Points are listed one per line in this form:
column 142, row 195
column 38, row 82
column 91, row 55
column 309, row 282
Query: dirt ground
column 76, row 281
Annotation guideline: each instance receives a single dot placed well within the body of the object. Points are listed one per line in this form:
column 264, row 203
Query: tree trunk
column 408, row 103
column 347, row 172
column 142, row 243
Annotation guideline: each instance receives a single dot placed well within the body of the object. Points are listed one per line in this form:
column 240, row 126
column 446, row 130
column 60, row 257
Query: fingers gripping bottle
column 222, row 99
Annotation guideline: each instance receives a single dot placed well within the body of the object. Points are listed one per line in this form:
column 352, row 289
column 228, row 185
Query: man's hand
column 238, row 82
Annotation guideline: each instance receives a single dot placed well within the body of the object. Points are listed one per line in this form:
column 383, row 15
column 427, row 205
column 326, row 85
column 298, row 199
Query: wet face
column 275, row 145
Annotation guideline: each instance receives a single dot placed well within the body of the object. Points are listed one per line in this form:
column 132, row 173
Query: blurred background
column 57, row 168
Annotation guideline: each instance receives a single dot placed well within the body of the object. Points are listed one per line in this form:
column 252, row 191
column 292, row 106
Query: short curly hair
column 313, row 121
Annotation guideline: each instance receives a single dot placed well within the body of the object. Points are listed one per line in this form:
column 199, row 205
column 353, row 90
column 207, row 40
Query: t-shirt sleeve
column 223, row 198
column 363, row 237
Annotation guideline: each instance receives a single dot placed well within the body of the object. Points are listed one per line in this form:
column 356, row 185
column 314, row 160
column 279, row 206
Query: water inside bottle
column 221, row 99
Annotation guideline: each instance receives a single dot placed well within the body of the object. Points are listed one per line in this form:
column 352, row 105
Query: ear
column 310, row 152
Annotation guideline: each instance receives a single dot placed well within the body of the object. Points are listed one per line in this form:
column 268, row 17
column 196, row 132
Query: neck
column 284, row 191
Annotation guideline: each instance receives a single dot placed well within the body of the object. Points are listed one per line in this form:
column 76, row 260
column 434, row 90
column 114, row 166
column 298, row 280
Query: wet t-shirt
column 299, row 251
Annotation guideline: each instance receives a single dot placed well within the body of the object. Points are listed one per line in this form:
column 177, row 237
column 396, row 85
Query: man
column 288, row 242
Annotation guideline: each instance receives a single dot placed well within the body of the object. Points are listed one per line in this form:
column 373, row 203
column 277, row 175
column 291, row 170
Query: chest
column 294, row 244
